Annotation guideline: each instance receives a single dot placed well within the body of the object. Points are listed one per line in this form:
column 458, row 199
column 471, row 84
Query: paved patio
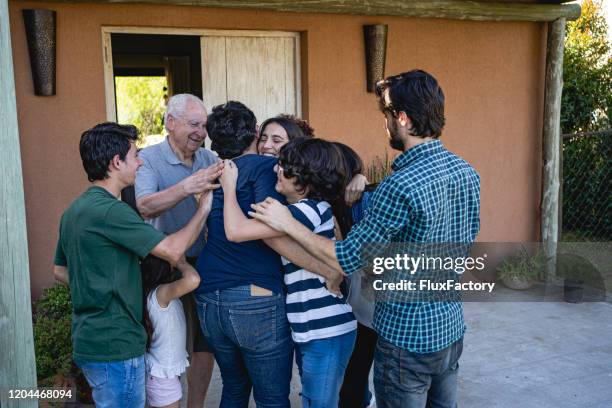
column 526, row 354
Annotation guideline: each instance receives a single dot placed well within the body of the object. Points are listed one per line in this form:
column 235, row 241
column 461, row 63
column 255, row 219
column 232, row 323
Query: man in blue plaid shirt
column 433, row 196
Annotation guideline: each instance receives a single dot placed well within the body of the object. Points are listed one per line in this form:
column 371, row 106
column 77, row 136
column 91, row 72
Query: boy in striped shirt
column 312, row 176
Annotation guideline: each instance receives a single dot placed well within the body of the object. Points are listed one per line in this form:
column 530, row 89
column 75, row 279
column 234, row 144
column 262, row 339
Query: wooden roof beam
column 447, row 9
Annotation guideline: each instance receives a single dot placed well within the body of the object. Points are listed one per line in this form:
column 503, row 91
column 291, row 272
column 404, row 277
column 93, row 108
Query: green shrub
column 52, row 342
column 522, row 265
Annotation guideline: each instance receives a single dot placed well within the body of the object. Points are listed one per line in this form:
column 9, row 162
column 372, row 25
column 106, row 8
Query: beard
column 395, row 141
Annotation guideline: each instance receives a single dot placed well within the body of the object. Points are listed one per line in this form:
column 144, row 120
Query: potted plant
column 521, row 270
column 579, row 273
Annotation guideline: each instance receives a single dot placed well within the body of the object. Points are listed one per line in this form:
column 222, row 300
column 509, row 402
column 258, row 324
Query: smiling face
column 271, row 139
column 127, row 168
column 187, row 131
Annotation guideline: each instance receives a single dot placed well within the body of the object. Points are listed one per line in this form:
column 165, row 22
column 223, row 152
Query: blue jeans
column 406, row 379
column 116, row 383
column 322, row 363
column 251, row 341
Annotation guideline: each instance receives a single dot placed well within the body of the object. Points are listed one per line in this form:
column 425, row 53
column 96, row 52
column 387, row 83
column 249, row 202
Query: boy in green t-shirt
column 100, row 242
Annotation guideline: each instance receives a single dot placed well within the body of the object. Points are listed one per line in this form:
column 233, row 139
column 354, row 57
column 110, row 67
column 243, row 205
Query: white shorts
column 162, row 391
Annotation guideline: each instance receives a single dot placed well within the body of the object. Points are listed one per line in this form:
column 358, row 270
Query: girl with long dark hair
column 164, row 321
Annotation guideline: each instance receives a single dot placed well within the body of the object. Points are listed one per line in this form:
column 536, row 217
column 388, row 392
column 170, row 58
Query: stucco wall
column 492, row 75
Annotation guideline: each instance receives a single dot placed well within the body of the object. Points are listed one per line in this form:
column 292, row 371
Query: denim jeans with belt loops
column 251, row 340
column 116, row 383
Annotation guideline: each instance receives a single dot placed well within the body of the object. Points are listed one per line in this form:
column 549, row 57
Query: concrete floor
column 526, row 354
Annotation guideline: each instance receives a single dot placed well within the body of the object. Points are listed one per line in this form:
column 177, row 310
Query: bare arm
column 295, row 253
column 174, row 245
column 188, row 283
column 239, row 228
column 278, row 217
column 61, row 274
column 355, row 189
column 153, row 205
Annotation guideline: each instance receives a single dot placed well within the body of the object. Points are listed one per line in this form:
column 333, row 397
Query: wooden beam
column 551, row 140
column 17, row 366
column 448, row 9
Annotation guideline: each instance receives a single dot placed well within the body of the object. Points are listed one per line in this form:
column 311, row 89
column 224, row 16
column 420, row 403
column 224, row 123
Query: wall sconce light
column 375, row 38
column 40, row 27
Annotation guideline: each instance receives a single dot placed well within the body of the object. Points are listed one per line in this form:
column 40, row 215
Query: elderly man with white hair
column 174, row 172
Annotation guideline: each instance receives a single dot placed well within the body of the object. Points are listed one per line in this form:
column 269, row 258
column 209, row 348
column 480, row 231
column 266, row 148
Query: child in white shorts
column 166, row 356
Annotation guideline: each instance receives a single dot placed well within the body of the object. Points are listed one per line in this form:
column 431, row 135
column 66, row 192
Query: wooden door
column 259, row 70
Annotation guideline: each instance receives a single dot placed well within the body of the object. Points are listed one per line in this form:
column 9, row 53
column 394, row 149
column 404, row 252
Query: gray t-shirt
column 161, row 169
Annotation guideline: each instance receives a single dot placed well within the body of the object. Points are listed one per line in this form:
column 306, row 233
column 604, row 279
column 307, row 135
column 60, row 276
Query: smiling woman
column 277, row 132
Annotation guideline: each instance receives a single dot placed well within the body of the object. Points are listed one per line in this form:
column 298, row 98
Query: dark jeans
column 403, row 379
column 251, row 340
column 196, row 342
column 354, row 392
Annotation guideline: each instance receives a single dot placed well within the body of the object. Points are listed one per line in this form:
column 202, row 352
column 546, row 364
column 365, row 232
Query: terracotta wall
column 492, row 74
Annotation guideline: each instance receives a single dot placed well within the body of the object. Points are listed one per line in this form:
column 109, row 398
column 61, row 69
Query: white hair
column 177, row 105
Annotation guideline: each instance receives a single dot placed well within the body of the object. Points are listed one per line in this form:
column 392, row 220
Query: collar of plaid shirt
column 412, row 154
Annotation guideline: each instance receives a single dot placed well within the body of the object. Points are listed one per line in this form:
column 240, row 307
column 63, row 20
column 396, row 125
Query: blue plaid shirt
column 433, row 196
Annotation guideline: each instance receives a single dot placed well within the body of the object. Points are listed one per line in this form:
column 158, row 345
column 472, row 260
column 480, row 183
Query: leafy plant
column 140, row 103
column 585, row 107
column 52, row 341
column 587, row 72
column 522, row 265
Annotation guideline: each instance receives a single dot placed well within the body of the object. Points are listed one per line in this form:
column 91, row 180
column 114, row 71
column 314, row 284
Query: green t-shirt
column 100, row 242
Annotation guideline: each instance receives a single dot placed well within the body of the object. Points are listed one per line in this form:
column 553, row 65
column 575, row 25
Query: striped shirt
column 433, row 196
column 313, row 312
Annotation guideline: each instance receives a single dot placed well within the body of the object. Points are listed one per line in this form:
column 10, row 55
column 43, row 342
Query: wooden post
column 17, row 364
column 551, row 139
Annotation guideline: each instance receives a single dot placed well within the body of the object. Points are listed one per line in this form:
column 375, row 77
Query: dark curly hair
column 232, row 127
column 101, row 143
column 418, row 94
column 318, row 168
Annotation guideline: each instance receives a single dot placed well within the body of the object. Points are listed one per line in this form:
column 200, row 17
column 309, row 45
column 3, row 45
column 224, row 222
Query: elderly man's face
column 188, row 131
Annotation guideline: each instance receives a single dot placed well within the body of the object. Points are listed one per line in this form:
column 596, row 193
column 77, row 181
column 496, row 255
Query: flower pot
column 83, row 389
column 573, row 290
column 517, row 282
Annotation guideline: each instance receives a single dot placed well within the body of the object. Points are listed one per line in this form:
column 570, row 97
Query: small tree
column 585, row 107
column 140, row 103
column 587, row 72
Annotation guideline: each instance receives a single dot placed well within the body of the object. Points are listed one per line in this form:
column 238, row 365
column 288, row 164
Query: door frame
column 107, row 55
